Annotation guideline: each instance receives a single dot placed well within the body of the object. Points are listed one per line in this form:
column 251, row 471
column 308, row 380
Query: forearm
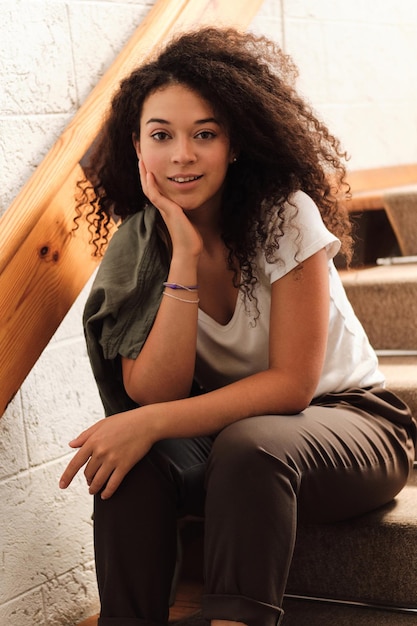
column 269, row 392
column 123, row 439
column 165, row 367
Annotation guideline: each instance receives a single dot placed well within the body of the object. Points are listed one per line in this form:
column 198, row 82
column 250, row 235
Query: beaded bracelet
column 179, row 286
column 171, row 295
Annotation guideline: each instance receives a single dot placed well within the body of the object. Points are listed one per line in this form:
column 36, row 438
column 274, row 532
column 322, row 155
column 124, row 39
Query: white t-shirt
column 226, row 353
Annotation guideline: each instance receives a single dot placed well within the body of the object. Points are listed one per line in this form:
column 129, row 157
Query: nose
column 184, row 151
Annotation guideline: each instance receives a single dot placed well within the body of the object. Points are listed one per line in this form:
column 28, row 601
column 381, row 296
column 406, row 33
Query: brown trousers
column 344, row 455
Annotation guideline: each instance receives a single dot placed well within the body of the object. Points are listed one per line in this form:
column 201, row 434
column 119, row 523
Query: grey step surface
column 308, row 613
column 385, row 300
column 370, row 559
column 365, row 568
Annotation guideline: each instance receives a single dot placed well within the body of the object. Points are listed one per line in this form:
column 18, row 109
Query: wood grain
column 38, row 286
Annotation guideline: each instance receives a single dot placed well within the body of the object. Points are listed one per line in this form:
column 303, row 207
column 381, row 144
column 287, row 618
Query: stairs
column 366, row 568
column 385, row 300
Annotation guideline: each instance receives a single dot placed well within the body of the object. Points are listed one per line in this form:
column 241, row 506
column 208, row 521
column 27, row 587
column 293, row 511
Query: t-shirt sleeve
column 304, row 234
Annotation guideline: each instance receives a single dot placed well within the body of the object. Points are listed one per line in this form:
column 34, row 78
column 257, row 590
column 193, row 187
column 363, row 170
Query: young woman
column 236, row 378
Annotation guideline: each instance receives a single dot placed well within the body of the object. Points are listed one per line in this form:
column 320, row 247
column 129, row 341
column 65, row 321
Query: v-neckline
column 205, row 316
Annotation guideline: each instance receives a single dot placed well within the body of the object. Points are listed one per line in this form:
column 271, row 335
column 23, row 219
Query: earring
column 234, row 159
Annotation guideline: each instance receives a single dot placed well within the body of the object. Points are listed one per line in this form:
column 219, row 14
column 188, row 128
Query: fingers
column 143, row 176
column 80, row 440
column 97, row 472
column 82, row 456
column 101, row 475
column 108, row 450
column 113, row 483
column 153, row 193
column 91, row 469
column 97, row 478
column 151, row 190
column 74, row 466
column 96, row 452
column 148, row 183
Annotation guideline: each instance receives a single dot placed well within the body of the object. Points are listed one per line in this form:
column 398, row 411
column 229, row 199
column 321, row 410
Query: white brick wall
column 357, row 66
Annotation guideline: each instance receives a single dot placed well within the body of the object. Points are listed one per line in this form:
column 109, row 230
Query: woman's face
column 184, row 146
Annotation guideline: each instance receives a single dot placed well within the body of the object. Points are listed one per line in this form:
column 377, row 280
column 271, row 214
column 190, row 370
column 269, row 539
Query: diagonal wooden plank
column 42, row 267
column 38, row 286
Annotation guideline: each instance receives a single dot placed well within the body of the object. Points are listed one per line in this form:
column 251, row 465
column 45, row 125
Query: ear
column 233, row 156
column 136, row 144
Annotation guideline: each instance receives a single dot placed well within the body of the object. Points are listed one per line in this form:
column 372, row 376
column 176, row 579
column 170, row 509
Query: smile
column 185, row 179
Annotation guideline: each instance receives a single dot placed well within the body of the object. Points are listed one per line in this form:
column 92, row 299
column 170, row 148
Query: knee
column 233, row 454
column 246, row 453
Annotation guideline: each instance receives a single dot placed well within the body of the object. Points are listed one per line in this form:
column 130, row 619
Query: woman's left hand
column 109, row 448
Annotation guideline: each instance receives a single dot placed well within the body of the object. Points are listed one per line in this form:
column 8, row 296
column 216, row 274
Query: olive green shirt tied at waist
column 123, row 303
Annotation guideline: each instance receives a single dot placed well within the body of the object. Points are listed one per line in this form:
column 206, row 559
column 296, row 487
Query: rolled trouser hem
column 126, row 621
column 241, row 609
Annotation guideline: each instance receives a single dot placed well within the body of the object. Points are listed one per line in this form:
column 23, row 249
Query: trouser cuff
column 126, row 621
column 241, row 609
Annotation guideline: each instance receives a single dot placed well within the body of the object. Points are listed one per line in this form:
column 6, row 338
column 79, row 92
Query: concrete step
column 385, row 300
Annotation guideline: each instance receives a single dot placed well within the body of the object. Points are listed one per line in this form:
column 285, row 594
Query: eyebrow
column 207, row 120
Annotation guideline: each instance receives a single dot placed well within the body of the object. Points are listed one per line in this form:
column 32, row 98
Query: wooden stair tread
column 90, row 621
column 369, row 185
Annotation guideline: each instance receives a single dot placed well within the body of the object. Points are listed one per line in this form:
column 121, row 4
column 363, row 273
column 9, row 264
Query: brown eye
column 206, row 134
column 160, row 135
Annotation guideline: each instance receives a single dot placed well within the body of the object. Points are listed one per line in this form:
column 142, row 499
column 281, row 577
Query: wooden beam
column 38, row 286
column 42, row 266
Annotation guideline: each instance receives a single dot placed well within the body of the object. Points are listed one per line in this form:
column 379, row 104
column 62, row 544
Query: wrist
column 155, row 421
column 183, row 272
column 185, row 256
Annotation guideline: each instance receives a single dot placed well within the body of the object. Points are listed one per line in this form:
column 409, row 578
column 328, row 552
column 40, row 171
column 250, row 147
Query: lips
column 185, row 179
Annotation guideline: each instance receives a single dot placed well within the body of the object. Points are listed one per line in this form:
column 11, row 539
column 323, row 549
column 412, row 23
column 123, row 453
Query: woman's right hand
column 184, row 236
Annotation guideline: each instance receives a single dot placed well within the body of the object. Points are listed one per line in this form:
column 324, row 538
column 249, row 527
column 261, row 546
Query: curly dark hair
column 282, row 145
